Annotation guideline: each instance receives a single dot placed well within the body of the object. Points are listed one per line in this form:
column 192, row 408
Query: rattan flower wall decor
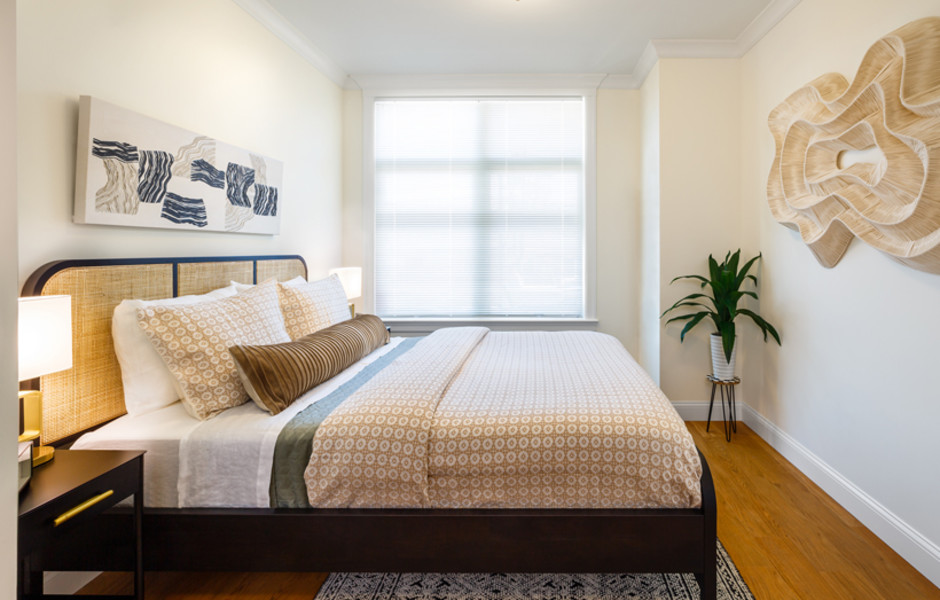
column 863, row 160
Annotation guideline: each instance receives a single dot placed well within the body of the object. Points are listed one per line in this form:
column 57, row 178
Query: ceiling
column 422, row 37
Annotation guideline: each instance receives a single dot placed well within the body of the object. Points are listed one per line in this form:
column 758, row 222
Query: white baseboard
column 66, row 582
column 698, row 411
column 920, row 552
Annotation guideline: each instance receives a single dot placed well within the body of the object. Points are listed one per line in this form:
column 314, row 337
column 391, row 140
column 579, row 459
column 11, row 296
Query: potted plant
column 725, row 281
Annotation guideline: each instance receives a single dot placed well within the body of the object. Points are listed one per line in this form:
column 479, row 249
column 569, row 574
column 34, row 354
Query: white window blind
column 479, row 207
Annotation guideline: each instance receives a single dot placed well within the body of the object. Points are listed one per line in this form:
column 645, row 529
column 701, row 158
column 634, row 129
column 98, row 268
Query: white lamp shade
column 45, row 335
column 351, row 278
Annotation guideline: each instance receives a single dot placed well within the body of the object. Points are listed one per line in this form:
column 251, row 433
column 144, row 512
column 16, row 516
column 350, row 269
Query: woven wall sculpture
column 864, row 160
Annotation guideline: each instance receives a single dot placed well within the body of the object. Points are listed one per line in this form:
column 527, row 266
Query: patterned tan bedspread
column 477, row 419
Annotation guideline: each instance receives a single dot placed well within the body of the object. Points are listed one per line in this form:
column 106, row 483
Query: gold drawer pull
column 81, row 507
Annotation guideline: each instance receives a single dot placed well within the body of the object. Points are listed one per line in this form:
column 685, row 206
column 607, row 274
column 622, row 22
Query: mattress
column 159, row 433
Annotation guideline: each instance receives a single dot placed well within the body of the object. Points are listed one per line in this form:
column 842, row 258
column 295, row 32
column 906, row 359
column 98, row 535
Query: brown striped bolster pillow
column 276, row 375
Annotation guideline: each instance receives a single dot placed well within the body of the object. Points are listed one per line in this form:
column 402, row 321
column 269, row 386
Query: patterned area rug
column 527, row 586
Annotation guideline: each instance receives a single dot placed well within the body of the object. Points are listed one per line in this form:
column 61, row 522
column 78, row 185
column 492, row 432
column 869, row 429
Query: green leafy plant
column 725, row 281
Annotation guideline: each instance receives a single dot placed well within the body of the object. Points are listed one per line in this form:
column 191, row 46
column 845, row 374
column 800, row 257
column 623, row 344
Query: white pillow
column 312, row 306
column 148, row 383
column 241, row 287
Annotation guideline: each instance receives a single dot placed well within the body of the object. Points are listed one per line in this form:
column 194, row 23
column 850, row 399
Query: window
column 480, row 207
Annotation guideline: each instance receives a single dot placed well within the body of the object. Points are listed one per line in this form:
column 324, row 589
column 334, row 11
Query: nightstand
column 60, row 504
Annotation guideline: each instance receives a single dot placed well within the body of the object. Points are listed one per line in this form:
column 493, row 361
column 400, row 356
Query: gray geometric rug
column 531, row 586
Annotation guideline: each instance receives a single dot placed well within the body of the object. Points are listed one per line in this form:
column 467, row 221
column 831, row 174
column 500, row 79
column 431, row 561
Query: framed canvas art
column 135, row 171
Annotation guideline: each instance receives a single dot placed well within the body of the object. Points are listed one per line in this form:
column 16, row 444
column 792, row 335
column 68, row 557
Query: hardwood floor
column 788, row 538
column 213, row 586
column 791, row 540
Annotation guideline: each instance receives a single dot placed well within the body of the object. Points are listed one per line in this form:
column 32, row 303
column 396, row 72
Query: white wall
column 8, row 285
column 856, row 381
column 619, row 187
column 353, row 227
column 699, row 203
column 205, row 66
column 649, row 326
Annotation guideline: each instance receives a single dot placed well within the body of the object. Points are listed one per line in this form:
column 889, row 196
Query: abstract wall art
column 863, row 160
column 136, row 171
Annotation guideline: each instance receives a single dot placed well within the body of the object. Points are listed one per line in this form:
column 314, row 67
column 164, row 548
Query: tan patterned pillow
column 277, row 375
column 312, row 306
column 194, row 340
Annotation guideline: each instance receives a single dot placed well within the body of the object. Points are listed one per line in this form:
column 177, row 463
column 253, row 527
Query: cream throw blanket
column 476, row 419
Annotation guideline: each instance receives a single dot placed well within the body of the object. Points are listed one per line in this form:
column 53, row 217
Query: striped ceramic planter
column 721, row 368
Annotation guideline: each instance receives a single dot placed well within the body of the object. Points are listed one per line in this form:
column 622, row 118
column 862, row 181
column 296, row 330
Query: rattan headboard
column 90, row 393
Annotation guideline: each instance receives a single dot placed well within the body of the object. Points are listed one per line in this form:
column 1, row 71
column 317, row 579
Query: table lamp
column 45, row 346
column 351, row 278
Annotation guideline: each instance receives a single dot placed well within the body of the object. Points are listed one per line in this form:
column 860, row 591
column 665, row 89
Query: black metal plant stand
column 726, row 387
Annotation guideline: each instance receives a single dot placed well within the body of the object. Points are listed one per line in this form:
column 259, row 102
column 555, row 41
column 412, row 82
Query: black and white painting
column 136, row 171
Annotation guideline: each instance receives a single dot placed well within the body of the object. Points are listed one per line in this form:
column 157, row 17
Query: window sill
column 411, row 327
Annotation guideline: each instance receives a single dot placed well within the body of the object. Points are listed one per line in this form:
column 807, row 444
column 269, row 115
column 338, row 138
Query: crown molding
column 768, row 18
column 645, row 64
column 478, row 83
column 695, row 48
column 265, row 14
column 619, row 82
column 763, row 23
column 753, row 33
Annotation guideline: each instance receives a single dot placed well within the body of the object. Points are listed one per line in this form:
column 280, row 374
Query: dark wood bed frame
column 401, row 540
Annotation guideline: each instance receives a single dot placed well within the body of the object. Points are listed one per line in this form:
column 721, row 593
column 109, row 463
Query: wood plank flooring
column 788, row 538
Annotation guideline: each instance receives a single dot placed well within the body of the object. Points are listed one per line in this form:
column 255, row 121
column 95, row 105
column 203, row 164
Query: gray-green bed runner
column 295, row 441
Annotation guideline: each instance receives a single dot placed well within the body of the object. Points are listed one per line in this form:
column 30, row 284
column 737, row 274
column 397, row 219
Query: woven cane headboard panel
column 91, row 393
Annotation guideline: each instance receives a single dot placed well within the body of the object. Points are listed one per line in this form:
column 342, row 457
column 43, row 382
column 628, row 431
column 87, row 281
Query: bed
column 531, row 539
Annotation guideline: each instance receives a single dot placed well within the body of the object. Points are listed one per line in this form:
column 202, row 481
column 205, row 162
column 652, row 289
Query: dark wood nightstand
column 63, row 498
